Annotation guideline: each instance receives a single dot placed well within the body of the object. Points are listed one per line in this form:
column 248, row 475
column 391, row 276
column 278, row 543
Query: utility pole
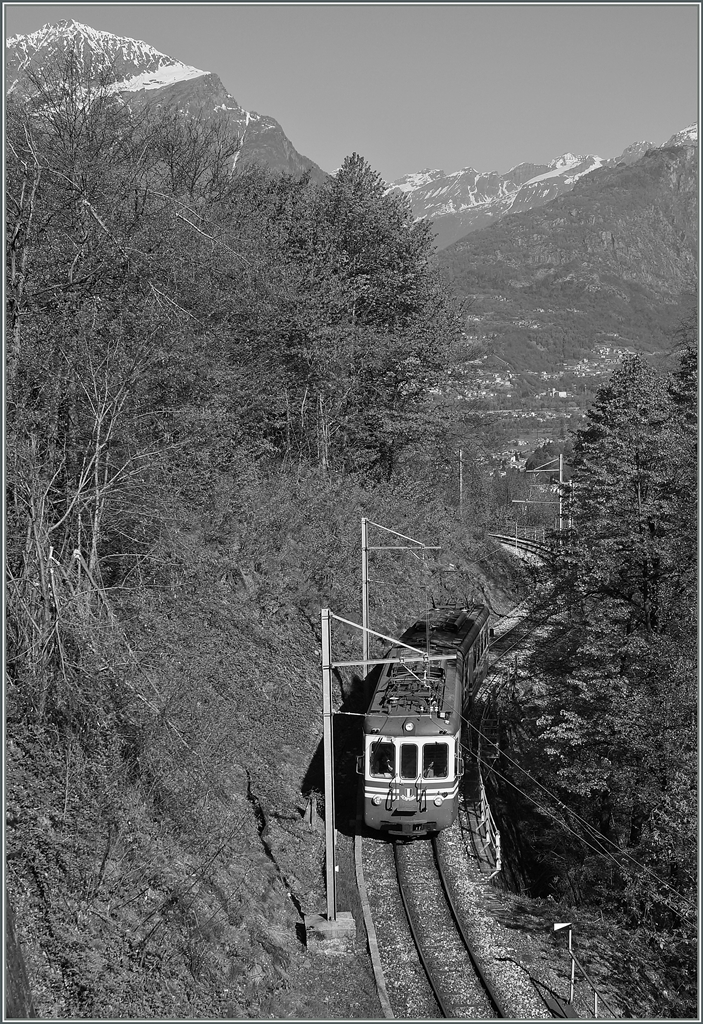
column 461, row 480
column 334, row 931
column 414, row 545
column 546, row 468
column 328, row 745
column 365, row 593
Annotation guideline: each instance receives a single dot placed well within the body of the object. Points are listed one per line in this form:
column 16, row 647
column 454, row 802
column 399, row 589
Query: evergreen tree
column 619, row 505
column 371, row 324
column 616, row 711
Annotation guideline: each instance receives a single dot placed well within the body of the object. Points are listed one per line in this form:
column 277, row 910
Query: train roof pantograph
column 428, row 693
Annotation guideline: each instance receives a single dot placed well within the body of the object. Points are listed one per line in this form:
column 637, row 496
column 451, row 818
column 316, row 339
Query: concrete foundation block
column 325, row 936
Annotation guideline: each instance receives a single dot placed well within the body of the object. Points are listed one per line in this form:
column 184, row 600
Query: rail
column 534, row 533
column 490, row 991
column 414, row 931
column 520, row 543
column 418, row 923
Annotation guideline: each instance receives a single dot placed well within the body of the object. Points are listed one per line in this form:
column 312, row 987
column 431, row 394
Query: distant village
column 531, row 399
column 479, row 381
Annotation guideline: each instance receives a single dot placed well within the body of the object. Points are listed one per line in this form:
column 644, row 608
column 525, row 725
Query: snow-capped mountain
column 141, row 74
column 616, row 257
column 686, row 137
column 131, row 64
column 466, row 200
column 469, row 199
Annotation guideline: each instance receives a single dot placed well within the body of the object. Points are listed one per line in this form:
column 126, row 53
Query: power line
column 602, row 853
column 583, row 821
column 592, row 830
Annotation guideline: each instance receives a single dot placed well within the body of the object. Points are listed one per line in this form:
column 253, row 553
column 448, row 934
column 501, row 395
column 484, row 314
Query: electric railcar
column 412, row 760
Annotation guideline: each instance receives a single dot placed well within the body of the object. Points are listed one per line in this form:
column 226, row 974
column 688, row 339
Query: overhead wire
column 596, row 834
column 593, row 832
column 600, row 852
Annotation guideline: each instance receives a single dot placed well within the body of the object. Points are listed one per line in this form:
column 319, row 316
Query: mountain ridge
column 616, row 257
column 468, row 200
column 136, row 69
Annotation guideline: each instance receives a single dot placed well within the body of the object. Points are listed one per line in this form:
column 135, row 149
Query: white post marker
column 461, row 480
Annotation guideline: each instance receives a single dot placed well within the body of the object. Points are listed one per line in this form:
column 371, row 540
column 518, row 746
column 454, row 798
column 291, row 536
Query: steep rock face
column 632, row 153
column 615, row 257
column 635, row 222
column 140, row 74
column 263, row 141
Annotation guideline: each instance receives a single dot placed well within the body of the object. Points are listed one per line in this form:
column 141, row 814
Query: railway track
column 511, row 638
column 429, row 967
column 409, row 991
column 444, row 949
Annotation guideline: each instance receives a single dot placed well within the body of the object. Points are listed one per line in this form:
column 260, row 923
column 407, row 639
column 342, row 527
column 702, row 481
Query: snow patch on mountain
column 686, row 137
column 566, row 160
column 134, row 64
column 166, row 75
column 566, row 163
column 413, row 181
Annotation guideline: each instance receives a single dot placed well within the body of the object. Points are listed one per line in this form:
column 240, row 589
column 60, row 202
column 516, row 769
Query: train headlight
column 438, row 801
column 409, row 727
column 375, row 800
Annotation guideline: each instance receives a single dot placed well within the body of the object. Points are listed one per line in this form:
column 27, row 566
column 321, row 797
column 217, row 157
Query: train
column 412, row 760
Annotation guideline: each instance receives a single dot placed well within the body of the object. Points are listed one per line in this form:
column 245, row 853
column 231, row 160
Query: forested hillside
column 211, row 376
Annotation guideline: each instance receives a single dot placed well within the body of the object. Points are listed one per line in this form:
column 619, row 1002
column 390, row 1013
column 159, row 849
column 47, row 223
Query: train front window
column 382, row 760
column 408, row 760
column 435, row 761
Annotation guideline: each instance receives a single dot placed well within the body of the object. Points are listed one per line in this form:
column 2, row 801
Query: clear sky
column 415, row 86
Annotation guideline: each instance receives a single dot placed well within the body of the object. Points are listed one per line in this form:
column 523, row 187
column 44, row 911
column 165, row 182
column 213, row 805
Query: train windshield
column 382, row 760
column 435, row 761
column 408, row 760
